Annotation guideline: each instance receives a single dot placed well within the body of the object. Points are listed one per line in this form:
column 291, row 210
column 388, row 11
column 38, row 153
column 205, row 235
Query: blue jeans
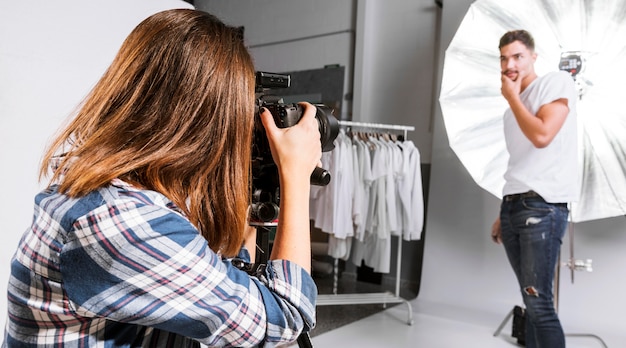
column 532, row 233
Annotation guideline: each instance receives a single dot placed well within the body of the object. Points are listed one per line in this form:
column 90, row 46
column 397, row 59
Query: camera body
column 265, row 180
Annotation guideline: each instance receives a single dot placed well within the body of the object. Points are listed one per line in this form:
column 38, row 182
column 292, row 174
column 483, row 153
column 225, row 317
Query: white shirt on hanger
column 411, row 193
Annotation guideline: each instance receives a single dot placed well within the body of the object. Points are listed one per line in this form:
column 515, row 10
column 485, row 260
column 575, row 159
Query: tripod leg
column 263, row 244
column 304, row 340
column 504, row 321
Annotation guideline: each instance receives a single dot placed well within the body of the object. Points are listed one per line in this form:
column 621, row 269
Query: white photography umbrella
column 585, row 38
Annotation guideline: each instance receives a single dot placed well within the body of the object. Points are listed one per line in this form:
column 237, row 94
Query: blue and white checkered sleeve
column 145, row 264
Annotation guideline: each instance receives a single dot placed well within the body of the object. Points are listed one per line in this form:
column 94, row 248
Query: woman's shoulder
column 118, row 196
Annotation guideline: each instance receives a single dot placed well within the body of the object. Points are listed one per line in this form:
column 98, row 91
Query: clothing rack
column 370, row 298
column 376, row 126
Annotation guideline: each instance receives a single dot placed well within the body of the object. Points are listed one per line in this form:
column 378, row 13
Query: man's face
column 516, row 60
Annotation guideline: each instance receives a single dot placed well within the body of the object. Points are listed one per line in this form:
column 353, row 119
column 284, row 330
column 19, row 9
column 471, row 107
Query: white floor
column 434, row 326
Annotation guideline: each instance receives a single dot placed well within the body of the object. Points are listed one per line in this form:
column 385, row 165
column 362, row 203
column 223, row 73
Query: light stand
column 573, row 265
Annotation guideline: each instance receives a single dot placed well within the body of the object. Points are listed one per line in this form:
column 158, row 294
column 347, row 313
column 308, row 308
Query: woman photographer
column 131, row 243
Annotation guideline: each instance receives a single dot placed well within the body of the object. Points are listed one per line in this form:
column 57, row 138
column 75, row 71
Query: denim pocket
column 537, row 204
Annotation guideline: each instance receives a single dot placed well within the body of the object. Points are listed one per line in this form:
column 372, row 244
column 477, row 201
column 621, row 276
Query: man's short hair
column 518, row 35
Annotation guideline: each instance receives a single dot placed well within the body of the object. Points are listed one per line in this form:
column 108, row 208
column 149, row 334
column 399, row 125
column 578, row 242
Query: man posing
column 541, row 178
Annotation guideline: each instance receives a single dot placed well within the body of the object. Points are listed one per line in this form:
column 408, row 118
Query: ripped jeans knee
column 531, row 291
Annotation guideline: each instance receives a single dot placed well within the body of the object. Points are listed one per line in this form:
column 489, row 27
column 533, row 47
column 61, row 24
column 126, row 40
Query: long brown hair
column 173, row 113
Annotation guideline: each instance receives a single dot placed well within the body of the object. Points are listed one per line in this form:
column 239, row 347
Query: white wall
column 394, row 59
column 463, row 268
column 51, row 54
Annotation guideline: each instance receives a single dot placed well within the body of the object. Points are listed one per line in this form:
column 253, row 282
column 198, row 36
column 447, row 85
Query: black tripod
column 263, row 247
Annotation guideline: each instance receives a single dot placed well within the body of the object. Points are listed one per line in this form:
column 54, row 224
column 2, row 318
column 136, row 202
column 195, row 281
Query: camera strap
column 253, row 269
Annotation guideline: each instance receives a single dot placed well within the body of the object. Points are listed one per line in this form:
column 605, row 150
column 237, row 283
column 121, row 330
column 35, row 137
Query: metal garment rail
column 370, row 298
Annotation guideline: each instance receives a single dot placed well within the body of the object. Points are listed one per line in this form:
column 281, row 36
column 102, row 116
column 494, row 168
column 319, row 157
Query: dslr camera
column 265, row 180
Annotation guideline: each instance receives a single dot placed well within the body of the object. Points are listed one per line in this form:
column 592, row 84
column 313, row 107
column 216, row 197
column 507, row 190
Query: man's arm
column 541, row 128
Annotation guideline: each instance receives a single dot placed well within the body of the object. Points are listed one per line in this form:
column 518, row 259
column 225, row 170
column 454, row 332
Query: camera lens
column 328, row 126
column 264, row 211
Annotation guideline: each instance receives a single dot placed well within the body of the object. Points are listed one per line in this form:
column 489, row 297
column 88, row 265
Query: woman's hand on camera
column 296, row 150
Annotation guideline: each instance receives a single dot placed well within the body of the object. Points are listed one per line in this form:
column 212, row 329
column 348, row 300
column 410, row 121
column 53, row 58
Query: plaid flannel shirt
column 122, row 267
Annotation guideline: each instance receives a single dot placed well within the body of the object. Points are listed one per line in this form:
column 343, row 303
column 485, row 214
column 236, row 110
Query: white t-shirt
column 552, row 171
